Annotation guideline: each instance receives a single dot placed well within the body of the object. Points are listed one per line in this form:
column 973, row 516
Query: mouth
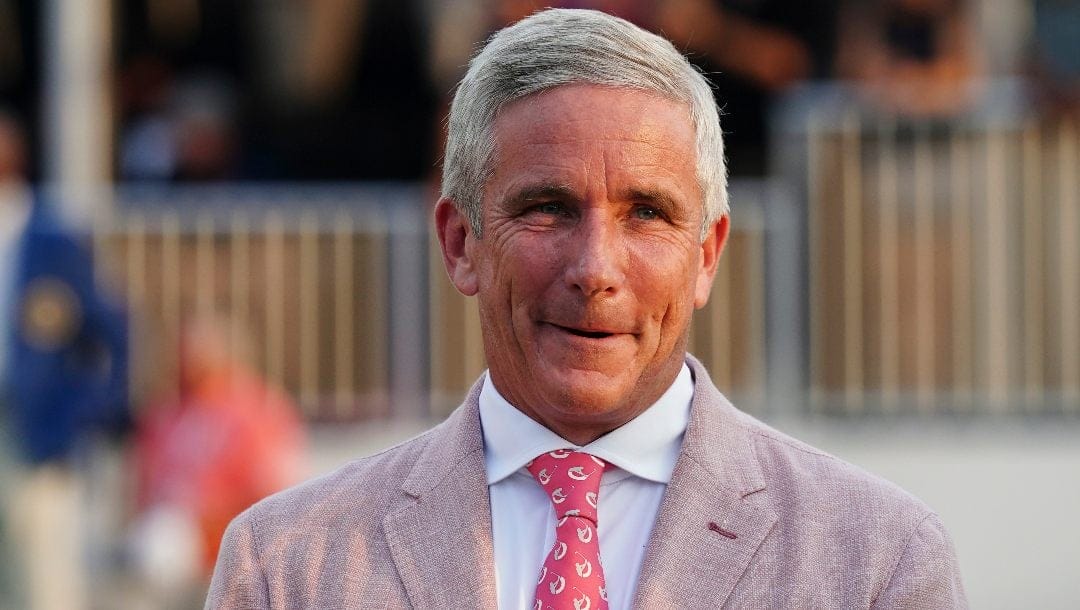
column 588, row 334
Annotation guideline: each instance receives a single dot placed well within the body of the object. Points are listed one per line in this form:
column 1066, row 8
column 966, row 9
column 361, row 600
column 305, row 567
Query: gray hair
column 573, row 46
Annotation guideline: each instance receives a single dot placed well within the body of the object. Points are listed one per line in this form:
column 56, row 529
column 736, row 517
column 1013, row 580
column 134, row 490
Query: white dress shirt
column 642, row 453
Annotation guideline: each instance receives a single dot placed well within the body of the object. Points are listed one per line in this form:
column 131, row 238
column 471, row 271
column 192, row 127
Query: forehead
column 596, row 109
column 579, row 131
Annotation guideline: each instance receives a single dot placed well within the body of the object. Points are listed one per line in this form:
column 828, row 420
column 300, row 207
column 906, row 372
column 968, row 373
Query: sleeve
column 927, row 575
column 238, row 580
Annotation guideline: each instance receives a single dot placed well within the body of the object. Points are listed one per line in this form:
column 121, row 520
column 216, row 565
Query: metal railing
column 943, row 262
column 890, row 266
column 338, row 294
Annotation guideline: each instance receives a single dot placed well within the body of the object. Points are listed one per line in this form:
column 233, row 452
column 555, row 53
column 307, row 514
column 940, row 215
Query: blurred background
column 217, row 275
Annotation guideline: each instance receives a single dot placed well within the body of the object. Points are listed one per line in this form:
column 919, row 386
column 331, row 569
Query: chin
column 591, row 392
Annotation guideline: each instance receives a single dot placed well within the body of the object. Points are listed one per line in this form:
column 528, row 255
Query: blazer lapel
column 441, row 542
column 710, row 522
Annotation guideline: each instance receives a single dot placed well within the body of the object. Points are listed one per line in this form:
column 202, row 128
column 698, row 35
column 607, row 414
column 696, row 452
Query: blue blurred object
column 1057, row 36
column 67, row 361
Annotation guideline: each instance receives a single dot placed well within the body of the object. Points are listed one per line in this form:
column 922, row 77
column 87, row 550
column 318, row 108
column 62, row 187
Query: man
column 595, row 465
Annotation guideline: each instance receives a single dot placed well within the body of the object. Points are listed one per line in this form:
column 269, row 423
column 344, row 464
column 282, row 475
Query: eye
column 643, row 212
column 550, row 208
column 546, row 213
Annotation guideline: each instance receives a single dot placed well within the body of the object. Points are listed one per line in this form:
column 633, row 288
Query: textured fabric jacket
column 751, row 519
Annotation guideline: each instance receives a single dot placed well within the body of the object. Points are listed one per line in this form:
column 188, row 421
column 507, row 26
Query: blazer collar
column 710, row 523
column 712, row 518
column 441, row 542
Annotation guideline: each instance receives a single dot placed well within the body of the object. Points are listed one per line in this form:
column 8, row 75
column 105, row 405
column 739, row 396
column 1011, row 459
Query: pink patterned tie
column 572, row 577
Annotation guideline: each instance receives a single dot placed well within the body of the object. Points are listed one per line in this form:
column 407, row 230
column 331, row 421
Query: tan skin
column 591, row 262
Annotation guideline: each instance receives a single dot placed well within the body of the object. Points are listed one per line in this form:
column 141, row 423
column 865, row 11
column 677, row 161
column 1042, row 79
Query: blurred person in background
column 910, row 57
column 182, row 131
column 147, row 135
column 358, row 102
column 327, row 91
column 185, row 88
column 207, row 145
column 63, row 373
column 188, row 100
column 753, row 51
column 226, row 441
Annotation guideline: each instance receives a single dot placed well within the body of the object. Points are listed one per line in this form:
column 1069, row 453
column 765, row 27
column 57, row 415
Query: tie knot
column 571, row 480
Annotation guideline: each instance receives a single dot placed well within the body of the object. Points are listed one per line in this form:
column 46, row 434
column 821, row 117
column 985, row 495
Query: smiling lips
column 588, row 334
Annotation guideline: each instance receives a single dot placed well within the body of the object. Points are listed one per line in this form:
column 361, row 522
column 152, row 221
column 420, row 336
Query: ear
column 711, row 249
column 453, row 230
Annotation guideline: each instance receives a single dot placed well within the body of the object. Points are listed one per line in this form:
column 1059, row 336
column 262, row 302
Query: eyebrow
column 530, row 194
column 656, row 197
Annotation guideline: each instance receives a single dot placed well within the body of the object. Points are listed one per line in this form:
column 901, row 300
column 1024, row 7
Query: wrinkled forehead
column 572, row 89
column 632, row 144
column 586, row 113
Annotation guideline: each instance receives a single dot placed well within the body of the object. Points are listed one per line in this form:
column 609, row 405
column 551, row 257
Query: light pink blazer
column 751, row 519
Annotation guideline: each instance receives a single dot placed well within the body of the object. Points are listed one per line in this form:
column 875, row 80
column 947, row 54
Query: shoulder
column 321, row 524
column 870, row 530
column 348, row 505
column 795, row 479
column 831, row 521
column 837, row 523
column 362, row 490
column 802, row 477
column 306, row 542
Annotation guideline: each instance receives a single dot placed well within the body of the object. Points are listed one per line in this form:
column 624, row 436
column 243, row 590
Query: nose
column 596, row 258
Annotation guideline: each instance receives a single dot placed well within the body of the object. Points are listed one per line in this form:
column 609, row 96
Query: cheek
column 518, row 280
column 667, row 291
column 528, row 261
column 666, row 273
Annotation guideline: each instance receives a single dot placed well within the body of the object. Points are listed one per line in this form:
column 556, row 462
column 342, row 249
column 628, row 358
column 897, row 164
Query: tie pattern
column 572, row 577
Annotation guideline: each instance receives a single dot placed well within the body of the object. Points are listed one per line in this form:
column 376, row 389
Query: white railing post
column 77, row 109
column 1034, row 268
column 995, row 270
column 960, row 244
column 1069, row 254
column 344, row 361
column 924, row 239
column 274, row 268
column 309, row 313
column 852, row 200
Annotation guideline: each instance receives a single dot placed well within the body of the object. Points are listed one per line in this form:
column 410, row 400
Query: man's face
column 590, row 264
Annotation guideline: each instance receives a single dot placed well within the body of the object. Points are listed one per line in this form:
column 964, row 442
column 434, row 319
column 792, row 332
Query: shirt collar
column 646, row 446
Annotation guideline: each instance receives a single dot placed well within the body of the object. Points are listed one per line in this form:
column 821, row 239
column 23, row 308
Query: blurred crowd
column 337, row 90
column 356, row 90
